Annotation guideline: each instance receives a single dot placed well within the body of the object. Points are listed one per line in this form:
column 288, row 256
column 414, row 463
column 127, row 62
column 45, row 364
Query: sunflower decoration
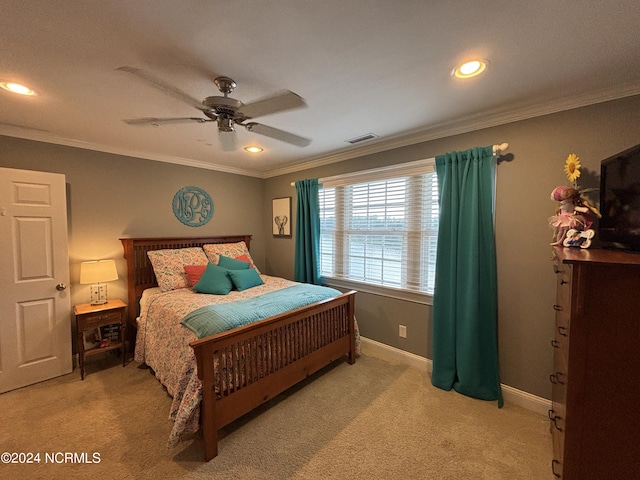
column 574, row 215
column 572, row 168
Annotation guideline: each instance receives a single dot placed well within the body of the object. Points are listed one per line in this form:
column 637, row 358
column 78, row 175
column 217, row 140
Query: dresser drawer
column 105, row 318
column 562, row 308
column 557, row 417
column 563, row 287
column 559, row 379
column 560, row 342
column 559, row 376
column 557, row 438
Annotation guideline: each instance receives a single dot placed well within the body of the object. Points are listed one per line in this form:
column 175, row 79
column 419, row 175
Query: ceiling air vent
column 362, row 138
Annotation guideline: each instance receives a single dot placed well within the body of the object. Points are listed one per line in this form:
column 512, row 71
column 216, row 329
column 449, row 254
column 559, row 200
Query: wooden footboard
column 245, row 367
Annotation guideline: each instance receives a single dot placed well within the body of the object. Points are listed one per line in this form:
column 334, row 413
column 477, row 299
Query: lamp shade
column 98, row 271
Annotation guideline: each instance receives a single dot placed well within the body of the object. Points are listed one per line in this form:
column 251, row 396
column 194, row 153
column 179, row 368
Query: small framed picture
column 91, row 338
column 578, row 238
column 281, row 217
column 110, row 332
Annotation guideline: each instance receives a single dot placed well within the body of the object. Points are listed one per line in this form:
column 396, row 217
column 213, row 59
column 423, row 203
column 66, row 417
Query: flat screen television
column 619, row 226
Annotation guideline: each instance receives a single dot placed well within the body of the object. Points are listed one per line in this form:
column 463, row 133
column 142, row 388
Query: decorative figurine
column 574, row 217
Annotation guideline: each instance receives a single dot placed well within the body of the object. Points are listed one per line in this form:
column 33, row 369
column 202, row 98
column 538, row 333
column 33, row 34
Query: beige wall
column 526, row 177
column 111, row 196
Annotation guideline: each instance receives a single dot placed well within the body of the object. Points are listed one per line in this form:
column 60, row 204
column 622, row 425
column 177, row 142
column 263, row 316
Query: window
column 380, row 227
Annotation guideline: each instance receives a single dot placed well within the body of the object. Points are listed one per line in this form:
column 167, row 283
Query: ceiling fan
column 227, row 112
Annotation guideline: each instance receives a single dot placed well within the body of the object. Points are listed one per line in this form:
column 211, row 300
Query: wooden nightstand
column 90, row 318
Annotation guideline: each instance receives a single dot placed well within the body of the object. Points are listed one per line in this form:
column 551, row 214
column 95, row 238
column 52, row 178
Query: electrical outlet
column 402, row 331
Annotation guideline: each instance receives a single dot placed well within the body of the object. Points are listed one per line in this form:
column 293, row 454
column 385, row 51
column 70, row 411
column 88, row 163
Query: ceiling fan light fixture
column 253, row 149
column 17, row 88
column 226, row 111
column 225, row 124
column 471, row 68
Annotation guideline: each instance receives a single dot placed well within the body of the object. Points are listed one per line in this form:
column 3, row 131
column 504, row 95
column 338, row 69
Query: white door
column 35, row 311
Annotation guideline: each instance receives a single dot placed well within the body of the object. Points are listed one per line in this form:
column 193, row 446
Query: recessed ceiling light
column 470, row 69
column 253, row 149
column 17, row 88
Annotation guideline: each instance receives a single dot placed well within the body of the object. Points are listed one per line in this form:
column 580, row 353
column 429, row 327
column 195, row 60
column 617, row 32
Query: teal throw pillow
column 244, row 279
column 232, row 263
column 214, row 280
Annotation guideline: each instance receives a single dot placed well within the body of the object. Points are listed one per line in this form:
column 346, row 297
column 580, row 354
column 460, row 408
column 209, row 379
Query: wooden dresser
column 595, row 415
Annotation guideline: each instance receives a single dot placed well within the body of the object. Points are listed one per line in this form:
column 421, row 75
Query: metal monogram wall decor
column 192, row 206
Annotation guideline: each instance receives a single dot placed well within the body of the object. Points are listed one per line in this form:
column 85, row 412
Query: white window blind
column 380, row 227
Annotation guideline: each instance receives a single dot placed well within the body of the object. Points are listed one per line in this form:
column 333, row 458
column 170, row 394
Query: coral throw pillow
column 245, row 258
column 194, row 272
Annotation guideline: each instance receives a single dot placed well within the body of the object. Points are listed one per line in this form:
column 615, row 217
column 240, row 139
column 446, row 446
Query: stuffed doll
column 574, row 213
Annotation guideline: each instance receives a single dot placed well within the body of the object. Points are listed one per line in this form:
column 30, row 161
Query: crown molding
column 469, row 124
column 45, row 136
column 442, row 130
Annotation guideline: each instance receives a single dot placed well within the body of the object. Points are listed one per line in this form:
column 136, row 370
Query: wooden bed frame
column 243, row 368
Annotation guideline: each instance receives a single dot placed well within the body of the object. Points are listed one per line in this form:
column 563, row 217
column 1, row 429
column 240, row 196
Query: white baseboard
column 527, row 400
column 395, row 355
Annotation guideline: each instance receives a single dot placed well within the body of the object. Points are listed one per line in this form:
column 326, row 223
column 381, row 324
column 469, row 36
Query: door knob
column 61, row 286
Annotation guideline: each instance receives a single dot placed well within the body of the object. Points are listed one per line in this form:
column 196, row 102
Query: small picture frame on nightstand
column 110, row 332
column 91, row 338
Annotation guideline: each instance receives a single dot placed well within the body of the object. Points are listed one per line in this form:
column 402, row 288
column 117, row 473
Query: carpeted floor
column 372, row 420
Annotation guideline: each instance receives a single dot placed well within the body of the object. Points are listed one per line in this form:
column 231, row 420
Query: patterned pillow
column 168, row 265
column 232, row 250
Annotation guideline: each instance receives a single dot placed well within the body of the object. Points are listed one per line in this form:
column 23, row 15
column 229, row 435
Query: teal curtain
column 465, row 345
column 307, row 258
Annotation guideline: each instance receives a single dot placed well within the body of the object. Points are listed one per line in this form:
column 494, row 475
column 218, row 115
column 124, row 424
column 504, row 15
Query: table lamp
column 96, row 273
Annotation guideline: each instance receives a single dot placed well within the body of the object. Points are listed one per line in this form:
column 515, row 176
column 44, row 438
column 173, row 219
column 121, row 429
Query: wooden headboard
column 140, row 274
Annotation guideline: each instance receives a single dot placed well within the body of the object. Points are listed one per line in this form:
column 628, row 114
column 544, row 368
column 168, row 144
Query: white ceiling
column 363, row 66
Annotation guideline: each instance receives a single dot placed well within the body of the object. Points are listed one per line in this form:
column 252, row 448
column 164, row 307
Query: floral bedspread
column 163, row 344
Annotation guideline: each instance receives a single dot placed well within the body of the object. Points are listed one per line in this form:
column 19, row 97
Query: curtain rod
column 497, row 151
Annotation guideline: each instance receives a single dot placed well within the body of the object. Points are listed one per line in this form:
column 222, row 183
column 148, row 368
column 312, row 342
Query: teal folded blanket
column 214, row 319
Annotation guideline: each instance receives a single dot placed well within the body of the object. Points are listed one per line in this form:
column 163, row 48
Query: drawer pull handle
column 555, row 462
column 562, row 331
column 555, row 423
column 555, row 343
column 557, row 308
column 554, row 418
column 555, row 378
column 563, row 282
column 556, row 269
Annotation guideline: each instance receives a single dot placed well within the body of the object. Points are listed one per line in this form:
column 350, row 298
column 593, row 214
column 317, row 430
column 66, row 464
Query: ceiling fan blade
column 284, row 100
column 227, row 141
column 161, row 121
column 164, row 87
column 277, row 134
